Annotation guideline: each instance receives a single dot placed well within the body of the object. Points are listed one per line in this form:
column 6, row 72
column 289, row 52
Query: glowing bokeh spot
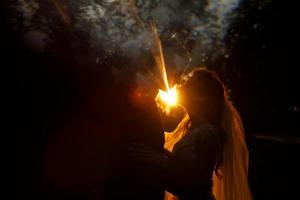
column 169, row 97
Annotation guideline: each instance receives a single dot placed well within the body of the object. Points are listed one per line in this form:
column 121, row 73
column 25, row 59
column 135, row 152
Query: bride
column 208, row 156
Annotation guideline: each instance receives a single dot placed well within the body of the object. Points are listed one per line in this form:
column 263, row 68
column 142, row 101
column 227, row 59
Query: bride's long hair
column 230, row 177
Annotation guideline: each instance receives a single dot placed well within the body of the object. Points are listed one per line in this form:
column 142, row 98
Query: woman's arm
column 208, row 151
column 173, row 176
column 169, row 175
column 190, row 177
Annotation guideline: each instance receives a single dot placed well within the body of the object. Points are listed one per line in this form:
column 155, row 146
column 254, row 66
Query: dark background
column 51, row 100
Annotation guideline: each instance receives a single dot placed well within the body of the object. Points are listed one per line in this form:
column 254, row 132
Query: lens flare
column 169, row 97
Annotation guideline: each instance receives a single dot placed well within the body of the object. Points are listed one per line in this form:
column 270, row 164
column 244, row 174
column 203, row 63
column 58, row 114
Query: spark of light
column 168, row 97
column 159, row 56
column 61, row 11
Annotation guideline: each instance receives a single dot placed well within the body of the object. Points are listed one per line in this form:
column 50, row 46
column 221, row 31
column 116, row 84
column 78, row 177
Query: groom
column 139, row 125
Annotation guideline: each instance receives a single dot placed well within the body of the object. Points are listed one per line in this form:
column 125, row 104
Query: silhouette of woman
column 209, row 156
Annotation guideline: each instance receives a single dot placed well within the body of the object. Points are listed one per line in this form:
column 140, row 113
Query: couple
column 206, row 157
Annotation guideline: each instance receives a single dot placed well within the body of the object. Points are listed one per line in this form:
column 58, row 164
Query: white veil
column 231, row 181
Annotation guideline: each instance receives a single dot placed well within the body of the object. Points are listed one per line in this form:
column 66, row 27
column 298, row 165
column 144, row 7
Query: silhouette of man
column 138, row 123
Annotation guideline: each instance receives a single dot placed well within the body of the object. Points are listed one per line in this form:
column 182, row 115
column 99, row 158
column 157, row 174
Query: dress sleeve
column 208, row 150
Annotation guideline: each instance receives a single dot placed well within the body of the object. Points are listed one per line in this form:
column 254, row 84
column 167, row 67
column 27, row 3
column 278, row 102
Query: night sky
column 61, row 96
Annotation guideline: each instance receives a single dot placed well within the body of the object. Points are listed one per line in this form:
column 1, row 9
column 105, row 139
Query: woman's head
column 203, row 95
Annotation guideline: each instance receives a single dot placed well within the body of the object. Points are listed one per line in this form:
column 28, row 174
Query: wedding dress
column 191, row 171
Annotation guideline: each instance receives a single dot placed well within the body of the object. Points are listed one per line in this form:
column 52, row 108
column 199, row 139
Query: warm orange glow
column 166, row 99
column 157, row 52
column 169, row 97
